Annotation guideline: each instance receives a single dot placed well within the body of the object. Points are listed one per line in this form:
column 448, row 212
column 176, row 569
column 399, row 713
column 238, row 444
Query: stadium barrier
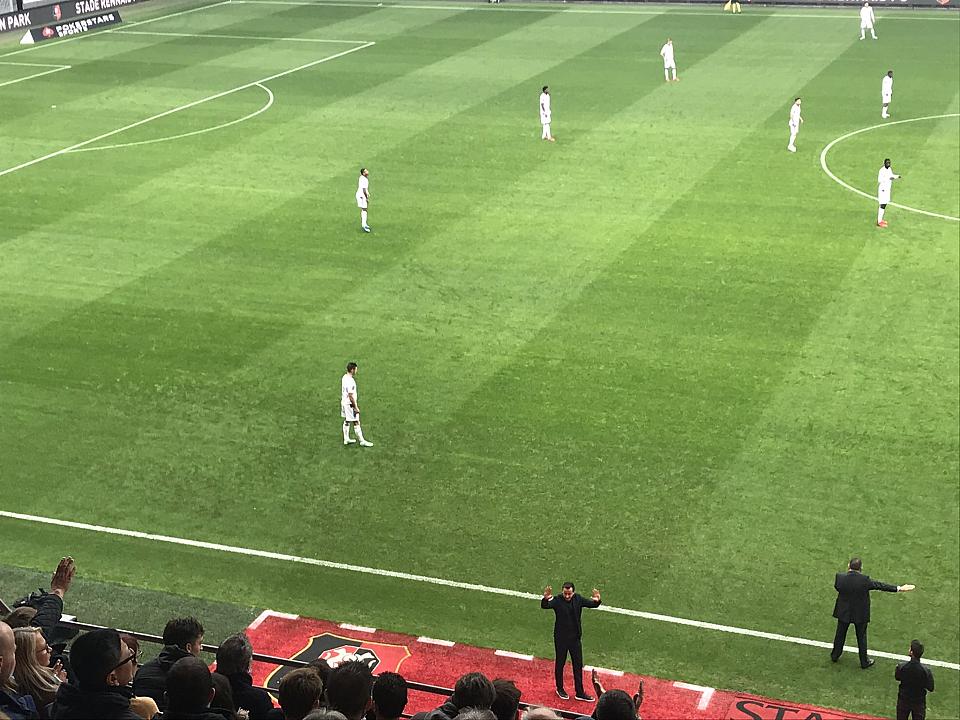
column 258, row 657
column 33, row 14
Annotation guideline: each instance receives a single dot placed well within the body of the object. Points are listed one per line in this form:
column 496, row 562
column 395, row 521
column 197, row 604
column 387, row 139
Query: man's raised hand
column 63, row 576
column 596, row 594
column 548, row 592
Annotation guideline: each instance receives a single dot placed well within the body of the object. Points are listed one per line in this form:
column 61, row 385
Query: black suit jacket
column 853, row 596
column 916, row 681
column 567, row 624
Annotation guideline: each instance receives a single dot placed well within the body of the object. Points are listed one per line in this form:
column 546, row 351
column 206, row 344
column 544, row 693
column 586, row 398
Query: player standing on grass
column 885, row 179
column 546, row 115
column 795, row 121
column 867, row 19
column 363, row 197
column 886, row 93
column 349, row 410
column 669, row 63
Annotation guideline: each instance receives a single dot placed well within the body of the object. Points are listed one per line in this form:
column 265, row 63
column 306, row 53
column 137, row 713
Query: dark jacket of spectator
column 108, row 703
column 205, row 714
column 247, row 697
column 17, row 707
column 447, row 711
column 916, row 681
column 151, row 678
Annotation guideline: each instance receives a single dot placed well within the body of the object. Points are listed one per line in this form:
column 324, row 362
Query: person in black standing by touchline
column 916, row 681
column 567, row 632
column 853, row 607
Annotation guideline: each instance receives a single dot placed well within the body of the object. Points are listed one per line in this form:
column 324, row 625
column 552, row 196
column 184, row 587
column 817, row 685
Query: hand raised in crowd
column 595, row 679
column 59, row 671
column 63, row 576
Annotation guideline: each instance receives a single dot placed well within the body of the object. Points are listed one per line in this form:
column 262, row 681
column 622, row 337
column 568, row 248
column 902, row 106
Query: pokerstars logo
column 943, row 2
column 47, row 32
column 379, row 657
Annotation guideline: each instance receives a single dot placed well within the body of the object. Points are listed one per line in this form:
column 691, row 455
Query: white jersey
column 348, row 387
column 667, row 53
column 866, row 16
column 795, row 115
column 545, row 107
column 362, row 187
column 886, row 86
column 885, row 179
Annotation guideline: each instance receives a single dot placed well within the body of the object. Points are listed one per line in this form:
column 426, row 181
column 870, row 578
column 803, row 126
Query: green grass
column 662, row 356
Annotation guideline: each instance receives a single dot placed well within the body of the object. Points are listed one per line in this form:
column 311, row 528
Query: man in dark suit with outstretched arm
column 567, row 632
column 853, row 607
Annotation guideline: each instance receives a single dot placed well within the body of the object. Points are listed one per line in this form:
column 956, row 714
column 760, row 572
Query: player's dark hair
column 473, row 690
column 181, row 631
column 234, row 655
column 795, row 99
column 615, row 705
column 188, row 685
column 569, row 585
column 507, row 700
column 300, row 692
column 856, row 563
column 886, row 160
column 362, row 170
column 916, row 649
column 93, row 656
column 348, row 688
column 545, row 88
column 390, row 695
column 351, row 366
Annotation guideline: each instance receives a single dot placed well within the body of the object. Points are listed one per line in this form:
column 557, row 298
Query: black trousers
column 904, row 709
column 572, row 646
column 841, row 637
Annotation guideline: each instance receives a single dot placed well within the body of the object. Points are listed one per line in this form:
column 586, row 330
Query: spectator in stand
column 145, row 707
column 49, row 606
column 473, row 690
column 33, row 674
column 614, row 704
column 389, row 696
column 103, row 667
column 182, row 637
column 234, row 660
column 506, row 704
column 12, row 704
column 540, row 713
column 223, row 699
column 476, row 714
column 324, row 669
column 190, row 692
column 21, row 617
column 301, row 692
column 916, row 681
column 349, row 687
column 325, row 714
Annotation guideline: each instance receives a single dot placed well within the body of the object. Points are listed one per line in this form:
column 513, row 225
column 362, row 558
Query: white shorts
column 347, row 413
column 361, row 202
column 793, row 128
column 887, row 97
column 544, row 119
column 866, row 25
column 883, row 196
column 671, row 66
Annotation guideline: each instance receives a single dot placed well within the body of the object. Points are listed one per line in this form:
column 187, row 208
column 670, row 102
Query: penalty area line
column 59, row 68
column 283, row 557
column 180, row 108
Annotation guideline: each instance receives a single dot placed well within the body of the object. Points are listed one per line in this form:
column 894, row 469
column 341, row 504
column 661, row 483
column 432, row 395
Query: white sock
column 346, row 431
column 879, row 214
column 666, row 74
column 793, row 137
column 862, row 35
column 674, row 73
column 873, row 34
column 359, row 432
column 363, row 217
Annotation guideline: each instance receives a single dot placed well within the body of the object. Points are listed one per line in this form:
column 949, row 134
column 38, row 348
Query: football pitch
column 662, row 356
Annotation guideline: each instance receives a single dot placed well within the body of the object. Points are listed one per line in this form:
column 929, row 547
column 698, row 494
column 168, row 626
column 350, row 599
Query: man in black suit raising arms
column 567, row 633
column 853, row 607
column 916, row 681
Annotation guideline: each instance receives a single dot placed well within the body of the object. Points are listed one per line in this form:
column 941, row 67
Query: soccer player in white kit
column 363, row 197
column 349, row 410
column 885, row 179
column 795, row 121
column 546, row 115
column 669, row 63
column 867, row 19
column 886, row 93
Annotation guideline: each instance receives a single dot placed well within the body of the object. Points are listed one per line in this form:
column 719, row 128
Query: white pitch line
column 249, row 116
column 434, row 641
column 513, row 655
column 35, row 75
column 179, row 108
column 59, row 42
column 823, row 163
column 283, row 557
column 557, row 8
column 23, row 64
column 357, row 628
column 237, row 37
